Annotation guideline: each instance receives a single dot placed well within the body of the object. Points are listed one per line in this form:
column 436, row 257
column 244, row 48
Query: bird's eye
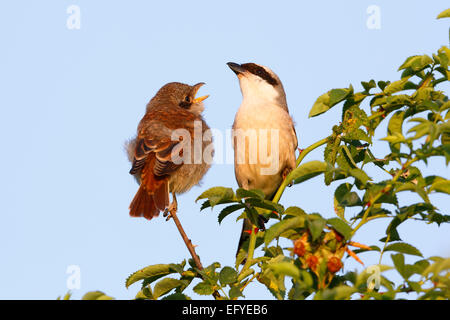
column 187, row 99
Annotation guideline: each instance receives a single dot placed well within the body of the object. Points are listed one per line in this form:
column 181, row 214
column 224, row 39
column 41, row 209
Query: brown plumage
column 162, row 154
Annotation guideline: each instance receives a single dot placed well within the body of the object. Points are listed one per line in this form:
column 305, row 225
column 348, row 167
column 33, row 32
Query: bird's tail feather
column 148, row 205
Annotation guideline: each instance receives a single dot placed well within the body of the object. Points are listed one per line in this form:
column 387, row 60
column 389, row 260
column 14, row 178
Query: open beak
column 196, row 88
column 237, row 68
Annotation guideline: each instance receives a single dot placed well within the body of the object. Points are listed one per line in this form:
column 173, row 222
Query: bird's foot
column 167, row 214
column 173, row 207
column 285, row 173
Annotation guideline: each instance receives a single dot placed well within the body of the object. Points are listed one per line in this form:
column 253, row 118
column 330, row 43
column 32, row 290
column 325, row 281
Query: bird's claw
column 173, row 207
column 284, row 175
column 167, row 214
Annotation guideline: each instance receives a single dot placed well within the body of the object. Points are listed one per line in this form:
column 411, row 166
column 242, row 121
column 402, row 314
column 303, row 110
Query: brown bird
column 265, row 114
column 167, row 154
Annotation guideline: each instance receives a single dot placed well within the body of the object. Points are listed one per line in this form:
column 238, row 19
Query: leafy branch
column 315, row 257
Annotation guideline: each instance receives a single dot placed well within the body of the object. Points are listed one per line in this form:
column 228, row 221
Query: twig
column 301, row 156
column 187, row 241
column 251, row 249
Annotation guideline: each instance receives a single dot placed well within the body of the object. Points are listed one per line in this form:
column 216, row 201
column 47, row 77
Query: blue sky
column 70, row 98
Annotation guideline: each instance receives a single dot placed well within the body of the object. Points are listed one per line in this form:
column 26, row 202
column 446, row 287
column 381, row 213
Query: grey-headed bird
column 263, row 114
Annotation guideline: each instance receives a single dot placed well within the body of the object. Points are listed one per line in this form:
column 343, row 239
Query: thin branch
column 187, row 241
column 251, row 249
column 301, row 156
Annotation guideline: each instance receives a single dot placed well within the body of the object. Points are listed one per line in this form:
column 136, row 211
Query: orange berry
column 299, row 248
column 334, row 264
column 312, row 262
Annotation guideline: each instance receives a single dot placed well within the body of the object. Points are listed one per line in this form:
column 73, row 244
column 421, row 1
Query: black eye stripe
column 185, row 104
column 260, row 72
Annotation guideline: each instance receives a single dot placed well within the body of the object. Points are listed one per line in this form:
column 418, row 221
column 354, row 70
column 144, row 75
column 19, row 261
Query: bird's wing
column 295, row 136
column 154, row 141
column 160, row 150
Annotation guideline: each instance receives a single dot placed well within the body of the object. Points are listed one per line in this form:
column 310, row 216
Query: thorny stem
column 251, row 250
column 189, row 245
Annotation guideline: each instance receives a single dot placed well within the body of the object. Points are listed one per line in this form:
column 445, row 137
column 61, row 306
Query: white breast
column 262, row 118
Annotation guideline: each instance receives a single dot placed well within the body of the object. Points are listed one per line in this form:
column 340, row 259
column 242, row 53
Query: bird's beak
column 196, row 88
column 237, row 68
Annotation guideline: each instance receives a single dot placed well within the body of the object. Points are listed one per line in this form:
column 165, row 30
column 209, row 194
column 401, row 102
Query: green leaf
column 243, row 193
column 349, row 155
column 383, row 84
column 341, row 226
column 437, row 267
column 416, row 63
column 176, row 296
column 294, row 211
column 252, row 214
column 278, row 228
column 321, row 105
column 395, row 128
column 357, row 134
column 96, row 295
column 395, row 86
column 368, row 85
column 403, row 248
column 342, row 292
column 152, row 272
column 422, row 128
column 359, row 175
column 217, row 195
column 337, row 95
column 273, row 282
column 399, row 262
column 420, row 266
column 285, row 268
column 228, row 210
column 315, row 226
column 66, row 296
column 209, row 273
column 444, row 14
column 235, row 292
column 345, row 197
column 265, row 204
column 307, row 171
column 374, row 189
column 145, row 294
column 394, row 138
column 179, row 268
column 442, row 186
column 204, row 288
column 164, row 286
column 227, row 275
